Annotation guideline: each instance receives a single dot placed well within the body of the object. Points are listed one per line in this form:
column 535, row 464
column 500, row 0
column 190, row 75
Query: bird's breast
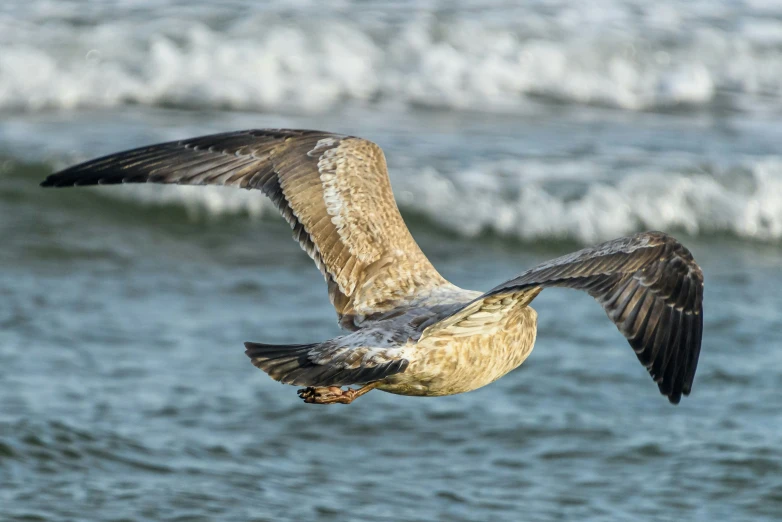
column 447, row 364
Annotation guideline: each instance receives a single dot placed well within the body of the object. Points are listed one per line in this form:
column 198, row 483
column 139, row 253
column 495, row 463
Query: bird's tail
column 283, row 362
column 321, row 364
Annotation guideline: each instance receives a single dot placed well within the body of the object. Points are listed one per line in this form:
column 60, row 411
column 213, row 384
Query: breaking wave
column 535, row 200
column 745, row 201
column 623, row 53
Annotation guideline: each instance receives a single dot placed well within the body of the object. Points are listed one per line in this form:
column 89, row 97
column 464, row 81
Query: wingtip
column 675, row 396
column 56, row 181
column 248, row 346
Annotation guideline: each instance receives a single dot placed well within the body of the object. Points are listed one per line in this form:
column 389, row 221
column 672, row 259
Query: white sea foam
column 536, row 200
column 624, row 53
column 745, row 201
column 199, row 202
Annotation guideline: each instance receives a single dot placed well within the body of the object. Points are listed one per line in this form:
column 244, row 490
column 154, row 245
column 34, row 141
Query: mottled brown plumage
column 412, row 332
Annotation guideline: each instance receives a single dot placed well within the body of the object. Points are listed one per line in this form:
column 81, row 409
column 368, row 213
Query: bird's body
column 450, row 364
column 440, row 361
column 410, row 331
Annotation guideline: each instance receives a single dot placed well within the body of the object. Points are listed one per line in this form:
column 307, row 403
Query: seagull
column 409, row 331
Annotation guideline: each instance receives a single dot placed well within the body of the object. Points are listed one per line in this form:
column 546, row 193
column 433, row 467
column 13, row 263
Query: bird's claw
column 326, row 395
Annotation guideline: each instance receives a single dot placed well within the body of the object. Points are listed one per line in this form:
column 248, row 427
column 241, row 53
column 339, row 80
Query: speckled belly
column 450, row 364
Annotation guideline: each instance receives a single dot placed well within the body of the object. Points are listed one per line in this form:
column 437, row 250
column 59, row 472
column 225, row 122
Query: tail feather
column 319, row 365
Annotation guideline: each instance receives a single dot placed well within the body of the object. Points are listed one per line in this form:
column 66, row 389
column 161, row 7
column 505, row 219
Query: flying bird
column 408, row 330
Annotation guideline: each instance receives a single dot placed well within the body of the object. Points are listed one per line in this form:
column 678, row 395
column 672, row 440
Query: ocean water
column 514, row 133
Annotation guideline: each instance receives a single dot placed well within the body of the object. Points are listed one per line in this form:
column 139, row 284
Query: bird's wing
column 649, row 285
column 333, row 190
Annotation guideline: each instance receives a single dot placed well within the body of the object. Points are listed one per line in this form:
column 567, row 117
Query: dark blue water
column 124, row 390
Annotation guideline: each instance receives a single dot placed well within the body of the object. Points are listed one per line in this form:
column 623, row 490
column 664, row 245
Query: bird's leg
column 334, row 394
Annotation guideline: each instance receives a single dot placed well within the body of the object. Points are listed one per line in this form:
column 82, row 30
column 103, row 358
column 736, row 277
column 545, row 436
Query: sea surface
column 514, row 132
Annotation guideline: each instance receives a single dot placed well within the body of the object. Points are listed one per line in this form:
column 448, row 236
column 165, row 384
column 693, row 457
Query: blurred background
column 514, row 132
